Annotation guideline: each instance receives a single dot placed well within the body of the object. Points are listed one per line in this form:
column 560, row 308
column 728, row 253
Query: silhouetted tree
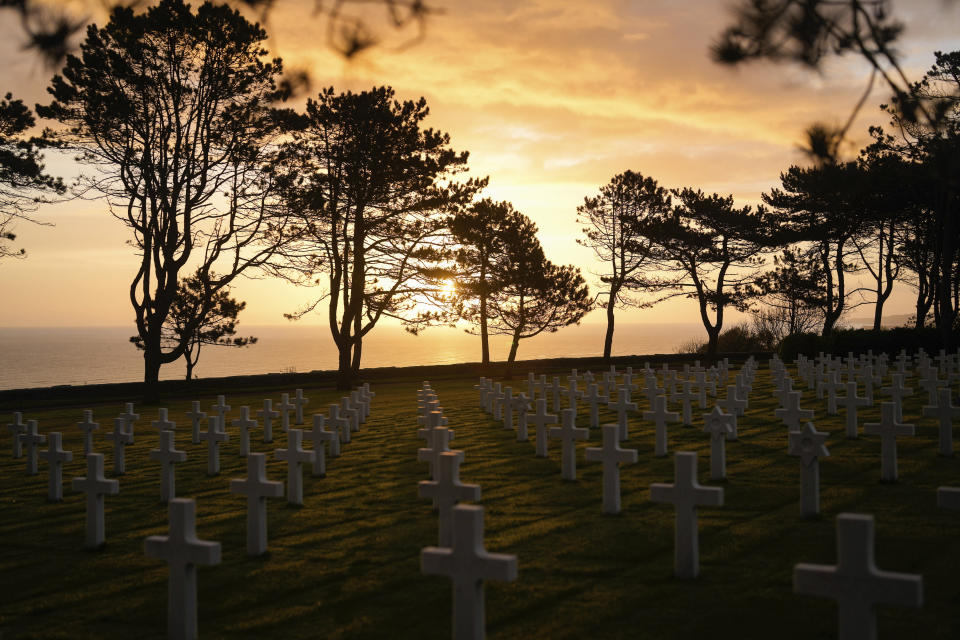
column 23, row 182
column 371, row 192
column 170, row 111
column 615, row 238
column 481, row 234
column 217, row 327
column 532, row 295
column 709, row 250
column 822, row 207
column 935, row 145
column 792, row 295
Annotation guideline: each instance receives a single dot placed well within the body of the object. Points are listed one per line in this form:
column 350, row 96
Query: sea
column 50, row 356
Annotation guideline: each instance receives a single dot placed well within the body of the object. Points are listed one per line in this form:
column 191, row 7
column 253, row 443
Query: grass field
column 346, row 564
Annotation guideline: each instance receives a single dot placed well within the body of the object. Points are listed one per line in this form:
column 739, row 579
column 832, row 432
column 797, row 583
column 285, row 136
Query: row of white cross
column 181, row 549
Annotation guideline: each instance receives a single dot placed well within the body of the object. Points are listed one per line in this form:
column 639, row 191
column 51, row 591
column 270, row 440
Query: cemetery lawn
column 347, row 564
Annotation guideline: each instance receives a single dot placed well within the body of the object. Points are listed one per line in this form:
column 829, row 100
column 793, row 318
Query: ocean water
column 48, row 356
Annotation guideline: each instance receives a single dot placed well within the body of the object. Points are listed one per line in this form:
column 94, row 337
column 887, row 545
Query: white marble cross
column 522, row 405
column 195, row 416
column 319, row 437
column 267, row 414
column 484, row 388
column 55, row 457
column 163, row 422
column 32, row 439
column 257, row 489
column 339, row 424
column 854, row 582
column 888, row 429
column 431, row 420
column 719, row 425
column 446, row 491
column 660, row 417
column 213, row 436
column 686, row 494
column 621, row 406
column 945, row 413
column 506, row 409
column 555, row 389
column 468, row 564
column 791, row 414
column 809, row 445
column 129, row 417
column 897, row 393
column 295, row 455
column 87, row 427
column 850, row 402
column 221, row 409
column 686, row 397
column 351, row 413
column 167, row 456
column 95, row 486
column 438, row 443
column 245, row 424
column 183, row 551
column 611, row 455
column 573, row 393
column 120, row 439
column 285, row 407
column 299, row 401
column 831, row 386
column 594, row 398
column 17, row 427
column 568, row 433
column 540, row 421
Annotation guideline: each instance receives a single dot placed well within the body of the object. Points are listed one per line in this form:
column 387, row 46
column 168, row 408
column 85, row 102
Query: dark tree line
column 892, row 215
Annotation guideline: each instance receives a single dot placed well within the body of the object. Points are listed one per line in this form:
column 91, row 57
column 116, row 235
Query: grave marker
column 686, row 494
column 299, row 401
column 568, row 433
column 854, row 582
column 660, row 416
column 257, row 489
column 809, row 445
column 446, row 491
column 214, row 436
column 167, row 456
column 32, row 439
column 468, row 564
column 244, row 423
column 120, row 440
column 945, row 413
column 611, row 455
column 267, row 414
column 295, row 455
column 888, row 429
column 195, row 416
column 719, row 425
column 55, row 457
column 319, row 437
column 17, row 427
column 540, row 421
column 95, row 486
column 162, row 423
column 87, row 427
column 183, row 551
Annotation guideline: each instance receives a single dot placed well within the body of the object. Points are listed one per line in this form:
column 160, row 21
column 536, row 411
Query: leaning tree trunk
column 512, row 356
column 484, row 333
column 344, row 365
column 608, row 338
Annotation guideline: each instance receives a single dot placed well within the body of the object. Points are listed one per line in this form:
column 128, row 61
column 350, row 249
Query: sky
column 552, row 98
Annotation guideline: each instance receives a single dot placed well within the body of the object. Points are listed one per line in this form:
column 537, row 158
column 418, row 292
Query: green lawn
column 346, row 565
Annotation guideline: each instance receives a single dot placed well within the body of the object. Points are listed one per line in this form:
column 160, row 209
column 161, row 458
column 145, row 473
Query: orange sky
column 551, row 97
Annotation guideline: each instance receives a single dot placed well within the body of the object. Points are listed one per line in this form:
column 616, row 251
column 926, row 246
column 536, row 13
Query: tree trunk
column 512, row 356
column 190, row 365
column 945, row 285
column 484, row 335
column 151, row 371
column 344, row 368
column 713, row 341
column 608, row 339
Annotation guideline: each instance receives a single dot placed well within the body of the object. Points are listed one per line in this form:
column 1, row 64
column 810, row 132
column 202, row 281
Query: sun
column 448, row 290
